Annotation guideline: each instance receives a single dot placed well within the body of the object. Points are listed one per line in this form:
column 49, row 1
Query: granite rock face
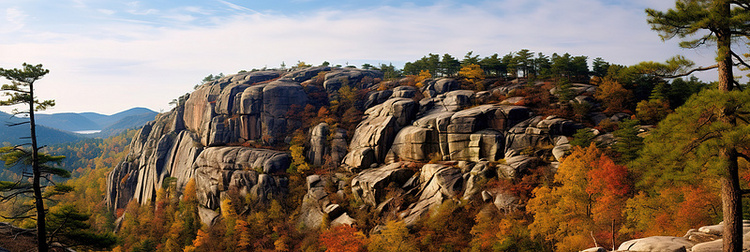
column 199, row 139
column 467, row 137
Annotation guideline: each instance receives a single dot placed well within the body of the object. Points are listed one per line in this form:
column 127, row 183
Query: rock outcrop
column 467, row 137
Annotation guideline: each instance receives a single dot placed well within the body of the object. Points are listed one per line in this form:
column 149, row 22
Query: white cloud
column 14, row 20
column 106, row 11
column 116, row 65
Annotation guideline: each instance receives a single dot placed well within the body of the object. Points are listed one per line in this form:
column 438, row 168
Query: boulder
column 516, row 165
column 215, row 167
column 596, row 249
column 333, row 211
column 438, row 121
column 404, row 92
column 318, row 144
column 225, row 103
column 439, row 86
column 379, row 128
column 199, row 108
column 208, row 216
column 438, row 183
column 377, row 97
column 305, row 73
column 370, row 185
column 349, row 76
column 657, row 243
column 456, row 100
column 558, row 126
column 338, row 146
column 512, row 100
column 360, row 159
column 344, row 219
column 479, row 171
column 486, row 144
column 507, row 202
column 278, row 98
column 717, row 245
column 313, row 203
column 415, row 143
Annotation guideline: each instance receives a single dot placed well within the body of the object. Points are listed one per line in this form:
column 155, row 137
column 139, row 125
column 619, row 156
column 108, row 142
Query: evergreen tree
column 21, row 92
column 722, row 22
column 708, row 135
column 719, row 21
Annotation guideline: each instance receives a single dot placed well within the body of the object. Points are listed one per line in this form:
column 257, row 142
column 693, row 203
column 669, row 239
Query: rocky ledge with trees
column 513, row 146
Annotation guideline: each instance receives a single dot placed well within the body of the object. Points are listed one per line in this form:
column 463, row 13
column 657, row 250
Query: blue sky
column 107, row 56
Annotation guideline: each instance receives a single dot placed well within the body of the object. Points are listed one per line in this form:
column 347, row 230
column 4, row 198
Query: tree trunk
column 731, row 203
column 723, row 46
column 41, row 224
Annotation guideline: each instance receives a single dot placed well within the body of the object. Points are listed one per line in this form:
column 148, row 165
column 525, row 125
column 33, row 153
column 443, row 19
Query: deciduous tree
column 587, row 197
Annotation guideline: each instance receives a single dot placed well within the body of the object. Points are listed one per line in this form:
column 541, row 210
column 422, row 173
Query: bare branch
column 738, row 58
column 699, row 69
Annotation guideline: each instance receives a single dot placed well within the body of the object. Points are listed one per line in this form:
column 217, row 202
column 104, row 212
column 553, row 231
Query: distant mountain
column 106, row 121
column 128, row 122
column 45, row 135
column 67, row 121
column 108, row 124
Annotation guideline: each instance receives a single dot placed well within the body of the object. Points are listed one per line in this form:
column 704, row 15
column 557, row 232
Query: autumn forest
column 518, row 151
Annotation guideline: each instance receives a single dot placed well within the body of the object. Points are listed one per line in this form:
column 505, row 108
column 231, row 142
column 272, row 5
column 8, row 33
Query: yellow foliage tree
column 423, row 75
column 394, row 237
column 474, row 74
column 298, row 159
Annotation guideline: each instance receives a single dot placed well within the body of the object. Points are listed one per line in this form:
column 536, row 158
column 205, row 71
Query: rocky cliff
column 414, row 148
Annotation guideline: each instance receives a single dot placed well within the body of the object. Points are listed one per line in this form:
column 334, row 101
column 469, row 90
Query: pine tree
column 21, row 92
column 705, row 137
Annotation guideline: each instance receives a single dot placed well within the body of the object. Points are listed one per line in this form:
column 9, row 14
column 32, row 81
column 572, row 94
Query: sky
column 108, row 56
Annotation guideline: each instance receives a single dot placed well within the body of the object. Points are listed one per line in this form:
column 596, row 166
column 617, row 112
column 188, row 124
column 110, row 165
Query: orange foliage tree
column 586, row 199
column 343, row 238
column 612, row 94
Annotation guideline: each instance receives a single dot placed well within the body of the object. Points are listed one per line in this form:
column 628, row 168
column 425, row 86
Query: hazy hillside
column 109, row 121
column 108, row 124
column 45, row 135
column 128, row 122
column 67, row 121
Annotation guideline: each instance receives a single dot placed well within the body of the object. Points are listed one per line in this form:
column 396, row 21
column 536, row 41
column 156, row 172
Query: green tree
column 722, row 22
column 600, row 67
column 69, row 226
column 470, row 58
column 525, row 59
column 449, row 65
column 707, row 136
column 21, row 92
column 628, row 142
column 714, row 21
column 389, row 71
column 680, row 90
column 492, row 65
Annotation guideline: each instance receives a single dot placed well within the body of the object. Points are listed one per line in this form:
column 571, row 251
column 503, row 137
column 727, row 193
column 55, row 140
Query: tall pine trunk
column 41, row 223
column 731, row 203
column 724, row 46
column 731, row 194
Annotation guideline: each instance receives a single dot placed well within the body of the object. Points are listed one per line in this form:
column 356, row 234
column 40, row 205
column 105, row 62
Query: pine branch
column 699, row 69
column 738, row 58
